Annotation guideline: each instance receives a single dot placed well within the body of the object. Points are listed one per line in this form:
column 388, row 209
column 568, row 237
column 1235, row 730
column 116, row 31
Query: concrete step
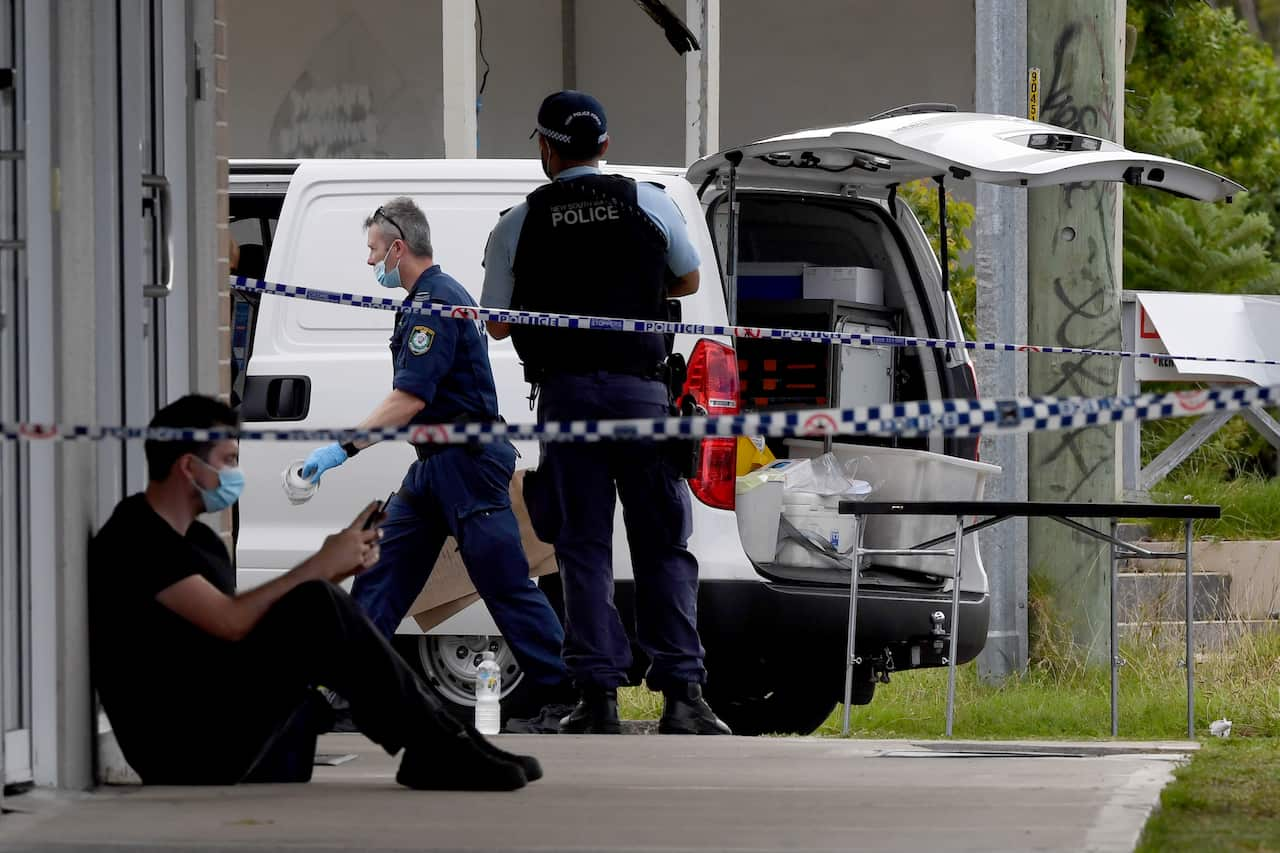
column 1133, row 532
column 1208, row 636
column 1153, row 564
column 1158, row 596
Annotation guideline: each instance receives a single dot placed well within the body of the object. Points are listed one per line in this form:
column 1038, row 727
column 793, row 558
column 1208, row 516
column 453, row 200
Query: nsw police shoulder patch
column 420, row 339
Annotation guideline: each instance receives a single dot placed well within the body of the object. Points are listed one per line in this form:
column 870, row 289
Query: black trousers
column 254, row 723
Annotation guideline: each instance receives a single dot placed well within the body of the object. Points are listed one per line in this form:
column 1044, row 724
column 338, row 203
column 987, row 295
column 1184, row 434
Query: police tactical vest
column 587, row 248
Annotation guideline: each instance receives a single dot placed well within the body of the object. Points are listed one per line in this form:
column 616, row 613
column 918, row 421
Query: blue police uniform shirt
column 500, row 253
column 441, row 360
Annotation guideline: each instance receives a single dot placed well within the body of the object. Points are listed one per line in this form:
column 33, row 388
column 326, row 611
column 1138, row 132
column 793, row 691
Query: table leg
column 1191, row 652
column 955, row 625
column 1115, row 638
column 850, row 660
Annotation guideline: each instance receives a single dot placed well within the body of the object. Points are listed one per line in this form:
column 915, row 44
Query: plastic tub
column 758, row 505
column 898, row 474
column 819, row 515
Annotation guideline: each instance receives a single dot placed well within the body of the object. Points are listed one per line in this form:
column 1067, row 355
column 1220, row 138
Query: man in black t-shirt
column 206, row 686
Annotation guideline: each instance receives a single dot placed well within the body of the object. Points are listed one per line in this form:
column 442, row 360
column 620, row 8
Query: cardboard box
column 449, row 589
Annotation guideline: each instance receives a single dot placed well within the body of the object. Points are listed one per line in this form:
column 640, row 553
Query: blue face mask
column 387, row 279
column 227, row 492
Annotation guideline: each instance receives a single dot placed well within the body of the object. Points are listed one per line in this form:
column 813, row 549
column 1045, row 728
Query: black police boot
column 685, row 712
column 595, row 714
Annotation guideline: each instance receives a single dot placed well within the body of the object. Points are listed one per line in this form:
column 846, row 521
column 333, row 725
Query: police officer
column 590, row 243
column 442, row 375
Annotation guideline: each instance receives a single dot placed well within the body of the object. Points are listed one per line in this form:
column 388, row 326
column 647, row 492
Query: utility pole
column 1073, row 299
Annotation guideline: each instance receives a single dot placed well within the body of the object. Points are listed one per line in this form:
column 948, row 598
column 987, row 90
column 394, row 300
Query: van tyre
column 446, row 664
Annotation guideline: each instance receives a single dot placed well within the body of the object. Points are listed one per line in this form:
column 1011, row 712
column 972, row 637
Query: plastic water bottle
column 488, row 689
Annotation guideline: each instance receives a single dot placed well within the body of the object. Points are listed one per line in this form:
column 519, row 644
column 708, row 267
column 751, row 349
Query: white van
column 822, row 243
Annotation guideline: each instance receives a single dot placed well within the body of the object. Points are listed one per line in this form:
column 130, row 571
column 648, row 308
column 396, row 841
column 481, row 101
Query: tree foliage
column 1204, row 89
column 922, row 197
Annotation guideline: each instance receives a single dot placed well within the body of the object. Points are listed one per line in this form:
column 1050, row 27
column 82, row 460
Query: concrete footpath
column 650, row 793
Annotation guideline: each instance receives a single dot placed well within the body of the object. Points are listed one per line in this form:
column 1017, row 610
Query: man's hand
column 231, row 618
column 321, row 460
column 349, row 551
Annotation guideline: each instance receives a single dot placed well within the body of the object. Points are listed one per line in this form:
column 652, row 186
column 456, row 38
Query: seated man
column 206, row 686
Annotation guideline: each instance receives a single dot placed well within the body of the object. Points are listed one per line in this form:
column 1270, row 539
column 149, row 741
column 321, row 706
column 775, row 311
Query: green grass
column 1250, row 504
column 1224, row 799
column 639, row 703
column 1059, row 698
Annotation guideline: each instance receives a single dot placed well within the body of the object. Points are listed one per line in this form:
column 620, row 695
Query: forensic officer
column 590, row 243
column 442, row 375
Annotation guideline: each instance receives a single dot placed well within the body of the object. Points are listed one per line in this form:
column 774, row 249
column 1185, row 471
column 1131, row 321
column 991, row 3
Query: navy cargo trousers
column 463, row 492
column 575, row 493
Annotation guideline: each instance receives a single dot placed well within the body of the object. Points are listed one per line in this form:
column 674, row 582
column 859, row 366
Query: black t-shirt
column 151, row 667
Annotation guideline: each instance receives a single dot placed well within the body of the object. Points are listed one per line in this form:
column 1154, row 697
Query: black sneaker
column 595, row 714
column 547, row 722
column 457, row 763
column 685, row 712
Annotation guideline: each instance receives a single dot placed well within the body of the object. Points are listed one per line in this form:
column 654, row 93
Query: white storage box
column 898, row 474
column 866, row 373
column 758, row 506
column 819, row 515
column 850, row 284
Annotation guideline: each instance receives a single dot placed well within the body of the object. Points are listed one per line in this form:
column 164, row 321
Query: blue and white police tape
column 930, row 417
column 617, row 324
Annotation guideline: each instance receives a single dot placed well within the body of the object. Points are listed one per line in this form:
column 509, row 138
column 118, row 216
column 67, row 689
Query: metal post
column 1191, row 659
column 1000, row 264
column 702, row 81
column 955, row 624
column 731, row 262
column 1115, row 639
column 1130, row 431
column 850, row 660
column 458, row 55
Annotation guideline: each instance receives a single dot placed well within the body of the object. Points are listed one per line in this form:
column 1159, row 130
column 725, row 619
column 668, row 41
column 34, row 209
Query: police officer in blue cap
column 442, row 375
column 604, row 245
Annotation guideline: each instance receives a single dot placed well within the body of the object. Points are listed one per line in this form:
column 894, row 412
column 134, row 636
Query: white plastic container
column 909, row 475
column 488, row 690
column 819, row 515
column 850, row 284
column 758, row 506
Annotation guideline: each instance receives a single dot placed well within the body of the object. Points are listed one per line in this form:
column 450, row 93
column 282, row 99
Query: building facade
column 112, row 302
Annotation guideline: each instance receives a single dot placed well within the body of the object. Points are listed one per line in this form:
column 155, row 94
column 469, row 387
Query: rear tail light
column 712, row 383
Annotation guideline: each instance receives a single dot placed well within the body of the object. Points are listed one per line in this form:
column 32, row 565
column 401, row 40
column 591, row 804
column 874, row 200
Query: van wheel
column 447, row 663
column 785, row 711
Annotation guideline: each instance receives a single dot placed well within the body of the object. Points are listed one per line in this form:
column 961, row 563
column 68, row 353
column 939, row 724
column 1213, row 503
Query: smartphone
column 380, row 514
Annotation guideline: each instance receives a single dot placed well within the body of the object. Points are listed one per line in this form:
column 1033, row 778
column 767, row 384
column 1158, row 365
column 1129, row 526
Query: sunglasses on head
column 381, row 214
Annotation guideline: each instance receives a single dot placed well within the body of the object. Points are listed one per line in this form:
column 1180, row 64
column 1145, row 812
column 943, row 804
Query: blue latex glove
column 321, row 460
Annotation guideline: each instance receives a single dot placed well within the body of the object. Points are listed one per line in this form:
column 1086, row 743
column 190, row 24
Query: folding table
column 989, row 513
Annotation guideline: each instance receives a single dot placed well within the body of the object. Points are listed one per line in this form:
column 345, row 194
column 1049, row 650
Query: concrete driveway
column 650, row 793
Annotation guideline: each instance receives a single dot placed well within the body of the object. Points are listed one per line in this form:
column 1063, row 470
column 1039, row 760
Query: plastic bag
column 753, row 454
column 821, row 475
